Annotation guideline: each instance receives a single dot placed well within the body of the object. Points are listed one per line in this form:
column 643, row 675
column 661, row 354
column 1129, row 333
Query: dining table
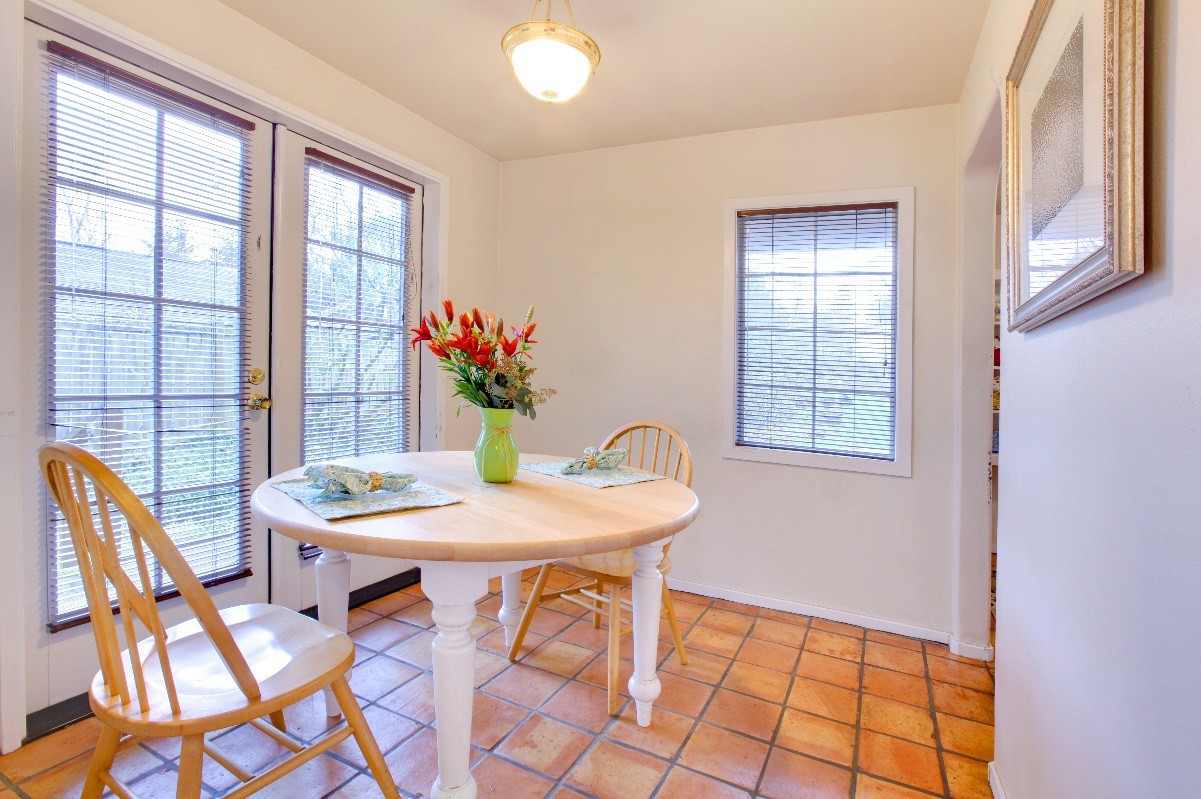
column 496, row 530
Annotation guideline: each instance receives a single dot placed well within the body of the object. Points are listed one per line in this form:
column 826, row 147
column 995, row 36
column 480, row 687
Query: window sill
column 813, row 460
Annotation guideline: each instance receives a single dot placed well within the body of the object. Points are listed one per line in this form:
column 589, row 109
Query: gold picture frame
column 1073, row 169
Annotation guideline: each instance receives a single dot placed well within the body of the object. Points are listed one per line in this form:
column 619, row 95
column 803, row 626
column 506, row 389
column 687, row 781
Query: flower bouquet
column 491, row 370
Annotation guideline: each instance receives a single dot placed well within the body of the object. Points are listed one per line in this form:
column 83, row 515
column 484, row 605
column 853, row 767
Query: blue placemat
column 594, row 478
column 418, row 495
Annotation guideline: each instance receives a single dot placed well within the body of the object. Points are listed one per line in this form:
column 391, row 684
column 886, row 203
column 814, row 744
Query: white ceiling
column 669, row 68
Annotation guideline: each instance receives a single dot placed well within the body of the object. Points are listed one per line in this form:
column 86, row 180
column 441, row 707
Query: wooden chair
column 651, row 446
column 222, row 668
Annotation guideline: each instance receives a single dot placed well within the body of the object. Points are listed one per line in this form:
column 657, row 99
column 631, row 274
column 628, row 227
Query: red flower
column 448, row 308
column 464, row 321
column 508, row 345
column 528, row 333
column 477, row 318
column 438, row 350
column 433, row 317
column 420, row 333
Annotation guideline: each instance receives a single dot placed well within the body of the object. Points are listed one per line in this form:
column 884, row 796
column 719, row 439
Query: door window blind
column 817, row 330
column 361, row 292
column 144, row 249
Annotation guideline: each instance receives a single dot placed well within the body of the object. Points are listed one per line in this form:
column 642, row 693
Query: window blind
column 144, row 244
column 817, row 330
column 361, row 292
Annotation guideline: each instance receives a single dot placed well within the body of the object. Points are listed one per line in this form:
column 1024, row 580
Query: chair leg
column 277, row 719
column 596, row 614
column 362, row 734
column 675, row 626
column 528, row 615
column 191, row 762
column 614, row 648
column 102, row 761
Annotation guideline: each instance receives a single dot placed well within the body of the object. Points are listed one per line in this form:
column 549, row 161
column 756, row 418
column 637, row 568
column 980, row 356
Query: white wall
column 1098, row 618
column 621, row 250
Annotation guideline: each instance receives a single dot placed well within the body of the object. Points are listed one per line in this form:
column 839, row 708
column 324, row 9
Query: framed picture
column 1073, row 156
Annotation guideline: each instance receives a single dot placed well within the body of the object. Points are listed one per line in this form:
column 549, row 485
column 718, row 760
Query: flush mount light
column 552, row 61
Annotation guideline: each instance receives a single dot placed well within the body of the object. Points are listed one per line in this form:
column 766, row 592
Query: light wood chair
column 222, row 668
column 652, row 446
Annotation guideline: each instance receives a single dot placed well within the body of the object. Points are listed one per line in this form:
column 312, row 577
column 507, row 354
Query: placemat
column 418, row 495
column 594, row 478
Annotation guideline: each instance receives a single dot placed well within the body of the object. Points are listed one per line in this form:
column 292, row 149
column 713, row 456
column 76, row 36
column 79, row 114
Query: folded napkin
column 343, row 480
column 595, row 459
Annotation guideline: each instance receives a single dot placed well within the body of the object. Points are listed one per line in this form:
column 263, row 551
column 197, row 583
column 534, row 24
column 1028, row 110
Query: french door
column 147, row 286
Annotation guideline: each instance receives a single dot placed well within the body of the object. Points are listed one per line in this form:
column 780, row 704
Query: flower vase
column 495, row 451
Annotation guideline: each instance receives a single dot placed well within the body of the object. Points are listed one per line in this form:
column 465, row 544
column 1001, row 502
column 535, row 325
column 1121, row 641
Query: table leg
column 510, row 608
column 453, row 589
column 647, row 590
column 333, row 596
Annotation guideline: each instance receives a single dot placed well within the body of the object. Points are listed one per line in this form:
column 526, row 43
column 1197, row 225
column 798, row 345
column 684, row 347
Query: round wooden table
column 497, row 530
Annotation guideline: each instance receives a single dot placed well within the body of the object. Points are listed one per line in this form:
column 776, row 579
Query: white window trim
column 901, row 465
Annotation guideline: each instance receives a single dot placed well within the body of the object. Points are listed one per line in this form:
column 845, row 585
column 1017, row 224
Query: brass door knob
column 259, row 402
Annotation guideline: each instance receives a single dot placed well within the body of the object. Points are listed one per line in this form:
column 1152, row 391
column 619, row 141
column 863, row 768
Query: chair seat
column 612, row 564
column 287, row 652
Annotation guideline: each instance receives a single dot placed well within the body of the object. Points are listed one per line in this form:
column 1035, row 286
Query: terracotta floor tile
column 567, row 793
column 249, row 748
column 813, row 735
column 524, row 685
column 769, row 655
column 414, row 763
column 966, row 737
column 895, row 685
column 903, row 761
column 684, row 784
column 610, row 771
column 500, row 780
column 757, row 681
column 414, row 699
column 701, row 666
column 597, row 673
column 726, row 621
column 696, row 599
column 388, row 728
column 828, row 669
column 382, row 634
column 373, row 678
column 779, row 632
column 360, row 617
column 318, row 777
column 417, row 650
column 783, row 616
column 837, row 627
column 968, row 778
column 306, row 719
column 683, row 695
column 481, row 626
column 725, row 755
column 494, row 642
column 895, row 658
column 824, row 699
column 559, row 657
column 159, row 784
column 735, row 607
column 964, row 702
column 64, row 780
column 688, row 612
column 968, row 676
column 892, row 639
column 869, row 787
column 487, row 666
column 392, row 603
column 897, row 718
column 715, row 642
column 580, row 704
column 57, row 747
column 418, row 613
column 792, row 776
column 582, row 633
column 550, row 622
column 663, row 737
column 838, row 646
column 943, row 651
column 492, row 719
column 743, row 714
column 545, row 745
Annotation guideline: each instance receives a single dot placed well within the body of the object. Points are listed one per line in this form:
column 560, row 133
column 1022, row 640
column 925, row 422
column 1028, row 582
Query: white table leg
column 647, row 590
column 453, row 589
column 510, row 608
column 333, row 596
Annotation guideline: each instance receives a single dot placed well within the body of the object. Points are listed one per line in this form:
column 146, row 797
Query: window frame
column 901, row 464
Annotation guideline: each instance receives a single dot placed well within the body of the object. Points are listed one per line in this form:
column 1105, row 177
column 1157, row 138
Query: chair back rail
column 658, row 441
column 87, row 492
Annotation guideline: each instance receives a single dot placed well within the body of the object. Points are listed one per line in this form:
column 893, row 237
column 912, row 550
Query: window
column 361, row 292
column 820, row 341
column 144, row 243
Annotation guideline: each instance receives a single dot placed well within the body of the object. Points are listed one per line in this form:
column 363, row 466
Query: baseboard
column 994, row 781
column 974, row 651
column 75, row 708
column 803, row 608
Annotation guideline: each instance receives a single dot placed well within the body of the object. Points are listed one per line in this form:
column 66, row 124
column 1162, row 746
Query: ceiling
column 669, row 68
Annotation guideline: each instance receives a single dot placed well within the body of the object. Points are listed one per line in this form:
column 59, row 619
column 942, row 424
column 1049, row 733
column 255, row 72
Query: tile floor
column 771, row 705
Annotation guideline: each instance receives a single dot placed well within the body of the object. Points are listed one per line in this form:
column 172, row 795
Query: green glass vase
column 495, row 451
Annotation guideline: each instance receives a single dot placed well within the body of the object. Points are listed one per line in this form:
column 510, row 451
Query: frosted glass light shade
column 552, row 61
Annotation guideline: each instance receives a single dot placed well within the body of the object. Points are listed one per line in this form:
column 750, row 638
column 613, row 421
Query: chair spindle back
column 655, row 447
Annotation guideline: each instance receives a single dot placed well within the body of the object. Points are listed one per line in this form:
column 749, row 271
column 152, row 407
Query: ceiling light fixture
column 553, row 61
